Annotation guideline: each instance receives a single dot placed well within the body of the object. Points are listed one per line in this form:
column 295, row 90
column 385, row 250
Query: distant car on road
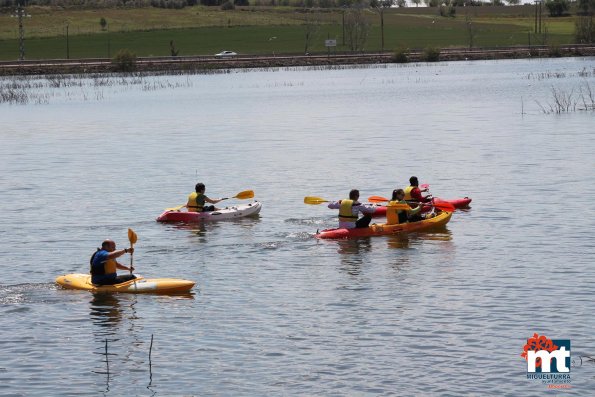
column 225, row 54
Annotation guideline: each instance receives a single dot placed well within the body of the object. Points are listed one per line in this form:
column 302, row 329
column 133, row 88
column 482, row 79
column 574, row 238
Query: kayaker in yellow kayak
column 197, row 199
column 394, row 215
column 104, row 265
column 349, row 210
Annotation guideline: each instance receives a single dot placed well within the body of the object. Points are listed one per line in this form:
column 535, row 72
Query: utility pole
column 343, row 13
column 536, row 1
column 67, row 44
column 20, row 13
column 382, row 27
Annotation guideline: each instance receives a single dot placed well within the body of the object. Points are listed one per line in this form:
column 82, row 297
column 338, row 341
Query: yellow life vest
column 110, row 266
column 345, row 214
column 408, row 190
column 195, row 202
column 393, row 214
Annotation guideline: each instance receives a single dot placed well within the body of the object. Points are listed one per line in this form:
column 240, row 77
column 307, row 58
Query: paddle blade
column 444, row 206
column 314, row 200
column 179, row 207
column 377, row 199
column 132, row 237
column 246, row 194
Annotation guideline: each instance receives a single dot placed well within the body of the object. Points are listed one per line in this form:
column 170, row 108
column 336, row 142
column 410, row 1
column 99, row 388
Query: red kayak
column 458, row 204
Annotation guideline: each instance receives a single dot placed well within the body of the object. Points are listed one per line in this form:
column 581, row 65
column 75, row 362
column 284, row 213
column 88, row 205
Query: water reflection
column 352, row 253
column 203, row 229
column 398, row 241
column 106, row 311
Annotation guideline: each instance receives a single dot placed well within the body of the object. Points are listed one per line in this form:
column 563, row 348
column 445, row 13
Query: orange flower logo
column 537, row 343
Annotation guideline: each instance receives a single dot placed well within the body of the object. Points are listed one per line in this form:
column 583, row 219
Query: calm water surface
column 276, row 312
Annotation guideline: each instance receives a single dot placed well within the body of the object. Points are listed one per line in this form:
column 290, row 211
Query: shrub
column 401, row 55
column 554, row 51
column 124, row 61
column 228, row 5
column 431, row 54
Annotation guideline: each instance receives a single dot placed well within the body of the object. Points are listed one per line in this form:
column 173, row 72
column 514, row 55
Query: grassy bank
column 204, row 31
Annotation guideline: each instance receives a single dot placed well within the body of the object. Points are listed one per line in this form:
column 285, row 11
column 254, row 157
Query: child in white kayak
column 197, row 200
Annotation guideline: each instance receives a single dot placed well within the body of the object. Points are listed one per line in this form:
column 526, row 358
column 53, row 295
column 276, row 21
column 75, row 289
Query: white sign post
column 328, row 44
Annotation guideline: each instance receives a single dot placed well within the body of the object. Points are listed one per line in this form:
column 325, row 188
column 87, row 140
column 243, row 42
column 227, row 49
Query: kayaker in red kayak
column 104, row 265
column 395, row 215
column 349, row 210
column 197, row 199
column 413, row 192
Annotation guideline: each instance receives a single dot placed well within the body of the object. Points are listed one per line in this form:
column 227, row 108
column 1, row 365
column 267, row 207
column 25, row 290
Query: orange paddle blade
column 444, row 206
column 377, row 199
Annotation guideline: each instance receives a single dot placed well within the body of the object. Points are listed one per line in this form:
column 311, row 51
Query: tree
column 587, row 7
column 357, row 28
column 312, row 26
column 471, row 30
column 584, row 29
column 416, row 2
column 102, row 23
column 557, row 8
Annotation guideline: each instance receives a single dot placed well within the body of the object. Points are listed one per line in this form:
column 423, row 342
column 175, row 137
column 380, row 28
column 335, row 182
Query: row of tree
column 556, row 7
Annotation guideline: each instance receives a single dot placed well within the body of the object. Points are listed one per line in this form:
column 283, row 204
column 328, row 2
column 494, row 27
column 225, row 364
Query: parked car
column 224, row 54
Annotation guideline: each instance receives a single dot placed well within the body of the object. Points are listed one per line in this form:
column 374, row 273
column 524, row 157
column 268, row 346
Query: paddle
column 448, row 207
column 246, row 194
column 312, row 200
column 132, row 237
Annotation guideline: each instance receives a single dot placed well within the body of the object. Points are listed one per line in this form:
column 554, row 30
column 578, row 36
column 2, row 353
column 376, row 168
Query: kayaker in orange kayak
column 197, row 199
column 349, row 210
column 104, row 265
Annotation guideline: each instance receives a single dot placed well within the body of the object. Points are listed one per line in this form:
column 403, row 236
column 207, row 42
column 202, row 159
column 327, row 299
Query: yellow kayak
column 139, row 285
column 437, row 221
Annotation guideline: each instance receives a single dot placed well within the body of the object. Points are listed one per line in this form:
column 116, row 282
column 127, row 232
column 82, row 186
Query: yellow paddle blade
column 179, row 207
column 246, row 194
column 132, row 237
column 314, row 200
column 377, row 199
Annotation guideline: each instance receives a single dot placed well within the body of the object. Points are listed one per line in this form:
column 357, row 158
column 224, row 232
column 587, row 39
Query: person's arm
column 365, row 209
column 417, row 196
column 122, row 267
column 415, row 210
column 212, row 201
column 118, row 253
column 334, row 205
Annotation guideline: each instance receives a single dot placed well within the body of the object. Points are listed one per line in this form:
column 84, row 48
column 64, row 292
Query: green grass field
column 205, row 31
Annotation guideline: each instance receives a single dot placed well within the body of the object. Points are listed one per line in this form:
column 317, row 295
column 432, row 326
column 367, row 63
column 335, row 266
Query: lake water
column 275, row 311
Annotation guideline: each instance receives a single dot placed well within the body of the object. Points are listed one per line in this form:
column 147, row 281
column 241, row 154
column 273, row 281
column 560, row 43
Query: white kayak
column 231, row 212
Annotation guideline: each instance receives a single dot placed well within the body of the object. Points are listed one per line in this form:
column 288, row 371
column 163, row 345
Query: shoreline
column 209, row 63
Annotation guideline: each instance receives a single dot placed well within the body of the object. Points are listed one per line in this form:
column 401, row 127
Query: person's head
column 354, row 194
column 108, row 245
column 413, row 181
column 199, row 188
column 398, row 194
